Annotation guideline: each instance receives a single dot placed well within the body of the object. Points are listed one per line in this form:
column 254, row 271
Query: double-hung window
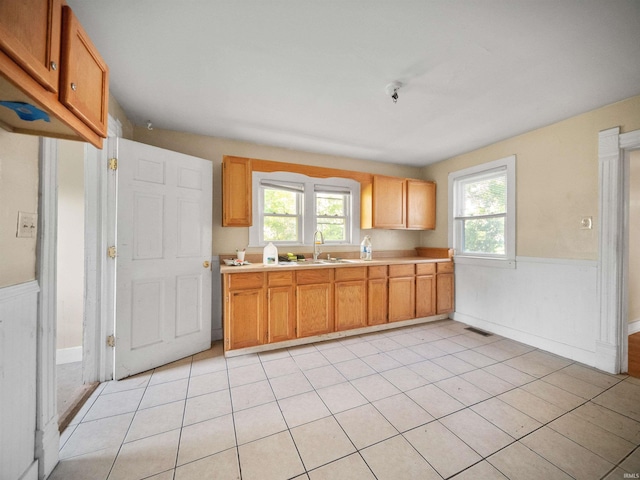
column 281, row 211
column 482, row 211
column 290, row 207
column 332, row 213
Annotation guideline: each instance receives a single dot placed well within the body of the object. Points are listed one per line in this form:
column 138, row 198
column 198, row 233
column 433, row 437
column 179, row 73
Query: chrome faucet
column 316, row 249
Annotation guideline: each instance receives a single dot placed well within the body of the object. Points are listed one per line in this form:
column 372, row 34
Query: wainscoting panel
column 548, row 303
column 18, row 318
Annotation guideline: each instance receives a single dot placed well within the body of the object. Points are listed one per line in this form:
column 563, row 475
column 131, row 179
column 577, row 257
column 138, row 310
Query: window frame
column 309, row 218
column 456, row 221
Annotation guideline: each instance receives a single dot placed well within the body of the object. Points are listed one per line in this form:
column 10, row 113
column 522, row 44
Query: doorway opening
column 633, row 258
column 71, row 390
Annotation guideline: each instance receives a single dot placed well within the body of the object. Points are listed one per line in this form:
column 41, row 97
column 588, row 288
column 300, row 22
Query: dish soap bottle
column 365, row 248
column 270, row 254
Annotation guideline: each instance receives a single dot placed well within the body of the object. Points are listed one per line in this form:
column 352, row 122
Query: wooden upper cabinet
column 398, row 203
column 389, row 202
column 84, row 85
column 421, row 205
column 236, row 192
column 43, row 50
column 30, row 35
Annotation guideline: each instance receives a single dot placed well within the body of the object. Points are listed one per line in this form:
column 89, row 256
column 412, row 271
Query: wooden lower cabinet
column 314, row 302
column 445, row 286
column 281, row 312
column 350, row 304
column 378, row 304
column 402, row 292
column 314, row 309
column 246, row 318
column 425, row 290
column 402, row 298
column 350, row 298
column 280, row 305
column 445, row 293
column 377, row 295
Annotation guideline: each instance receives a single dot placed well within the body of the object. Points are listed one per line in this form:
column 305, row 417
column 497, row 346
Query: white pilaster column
column 47, row 436
column 611, row 244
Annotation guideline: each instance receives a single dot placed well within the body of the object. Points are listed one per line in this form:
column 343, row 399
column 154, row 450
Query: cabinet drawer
column 318, row 275
column 425, row 268
column 445, row 267
column 378, row 272
column 277, row 279
column 401, row 270
column 243, row 281
column 351, row 273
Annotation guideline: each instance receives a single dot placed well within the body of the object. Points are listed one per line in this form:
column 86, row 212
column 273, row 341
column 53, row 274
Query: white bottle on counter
column 366, row 249
column 270, row 254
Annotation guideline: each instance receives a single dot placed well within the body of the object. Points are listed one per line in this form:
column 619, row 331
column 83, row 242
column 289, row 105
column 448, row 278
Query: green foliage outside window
column 485, row 200
column 281, row 215
column 331, row 216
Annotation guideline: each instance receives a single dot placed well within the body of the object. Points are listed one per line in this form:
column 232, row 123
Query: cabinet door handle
column 74, row 87
column 54, row 66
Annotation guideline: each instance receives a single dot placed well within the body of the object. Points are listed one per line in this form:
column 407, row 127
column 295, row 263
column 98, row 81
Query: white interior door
column 163, row 281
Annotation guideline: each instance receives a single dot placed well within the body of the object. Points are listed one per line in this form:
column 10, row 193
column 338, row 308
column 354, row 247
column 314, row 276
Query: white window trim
column 509, row 259
column 308, row 205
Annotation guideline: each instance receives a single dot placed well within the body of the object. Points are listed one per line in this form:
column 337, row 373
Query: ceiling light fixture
column 392, row 90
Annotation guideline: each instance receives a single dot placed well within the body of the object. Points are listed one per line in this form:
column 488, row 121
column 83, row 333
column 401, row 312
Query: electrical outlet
column 27, row 225
column 586, row 223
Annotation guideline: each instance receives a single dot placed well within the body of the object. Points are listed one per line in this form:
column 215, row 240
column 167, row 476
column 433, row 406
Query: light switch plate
column 27, row 225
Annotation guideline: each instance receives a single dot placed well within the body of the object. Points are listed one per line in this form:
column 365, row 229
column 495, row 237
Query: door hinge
column 111, row 341
column 112, row 252
column 113, row 164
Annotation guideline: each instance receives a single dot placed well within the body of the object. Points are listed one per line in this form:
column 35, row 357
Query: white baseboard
column 549, row 345
column 68, row 355
column 634, row 327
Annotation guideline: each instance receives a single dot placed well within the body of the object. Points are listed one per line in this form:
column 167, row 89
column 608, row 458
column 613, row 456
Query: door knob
column 206, row 264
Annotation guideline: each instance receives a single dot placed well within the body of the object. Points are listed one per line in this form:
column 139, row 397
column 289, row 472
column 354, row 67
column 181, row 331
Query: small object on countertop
column 240, row 254
column 270, row 255
column 365, row 248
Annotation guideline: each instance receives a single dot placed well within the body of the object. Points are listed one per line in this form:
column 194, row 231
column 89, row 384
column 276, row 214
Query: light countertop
column 309, row 264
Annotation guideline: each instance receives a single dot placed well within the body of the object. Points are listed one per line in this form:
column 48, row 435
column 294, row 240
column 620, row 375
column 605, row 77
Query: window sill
column 484, row 262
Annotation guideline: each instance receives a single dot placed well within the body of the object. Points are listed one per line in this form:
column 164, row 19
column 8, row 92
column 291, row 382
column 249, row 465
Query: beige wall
column 70, row 286
column 227, row 239
column 18, row 192
column 634, row 237
column 557, row 182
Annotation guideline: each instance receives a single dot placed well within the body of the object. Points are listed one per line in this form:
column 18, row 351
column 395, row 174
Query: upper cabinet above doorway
column 53, row 81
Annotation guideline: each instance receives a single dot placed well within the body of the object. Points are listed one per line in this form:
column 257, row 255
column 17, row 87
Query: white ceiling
column 311, row 74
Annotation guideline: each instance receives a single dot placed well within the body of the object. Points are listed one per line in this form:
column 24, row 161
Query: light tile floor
column 423, row 402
